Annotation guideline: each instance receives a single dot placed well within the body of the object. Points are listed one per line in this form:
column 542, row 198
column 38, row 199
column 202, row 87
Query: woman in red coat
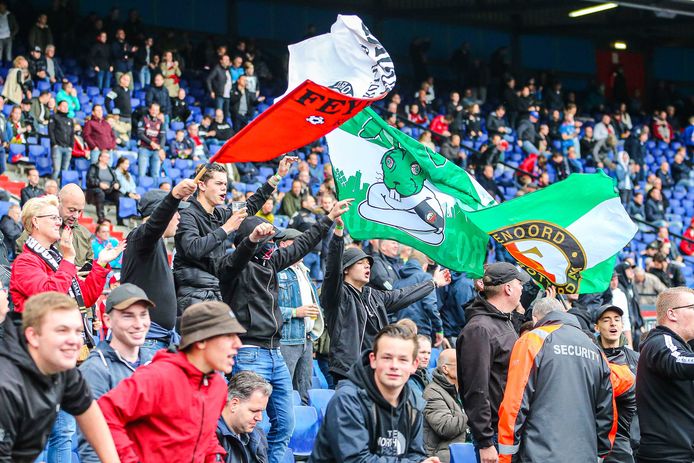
column 43, row 266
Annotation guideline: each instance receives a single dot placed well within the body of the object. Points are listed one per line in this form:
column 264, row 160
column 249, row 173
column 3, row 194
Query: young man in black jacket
column 205, row 227
column 61, row 131
column 665, row 382
column 355, row 312
column 484, row 350
column 146, row 263
column 219, row 84
column 374, row 416
column 251, row 290
column 39, row 377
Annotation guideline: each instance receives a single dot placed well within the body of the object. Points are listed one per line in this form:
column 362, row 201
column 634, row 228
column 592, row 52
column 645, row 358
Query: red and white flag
column 331, row 78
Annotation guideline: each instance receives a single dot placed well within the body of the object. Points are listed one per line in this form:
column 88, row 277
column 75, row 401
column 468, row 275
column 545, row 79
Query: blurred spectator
column 31, row 190
column 50, row 187
column 171, row 72
column 647, row 286
column 37, row 65
column 625, row 180
column 179, row 107
column 421, row 377
column 151, row 137
column 386, row 266
column 266, row 212
column 242, row 103
column 18, row 84
column 424, row 312
column 157, row 93
column 687, row 247
column 669, row 275
column 61, row 132
column 416, row 116
column 68, row 93
column 102, row 186
column 15, row 129
column 40, row 111
column 473, row 122
column 120, row 97
column 11, row 228
column 100, row 61
column 496, row 122
column 426, row 140
column 219, row 84
column 681, row 172
column 120, row 129
column 28, row 118
column 103, row 240
column 221, row 127
column 98, row 134
column 441, row 125
column 8, row 31
column 554, row 97
column 122, row 57
column 655, row 209
column 662, row 130
column 291, row 202
column 528, row 137
column 236, row 68
column 689, row 136
column 561, row 165
column 664, row 175
column 569, row 131
column 40, row 34
column 125, row 179
column 486, row 181
column 445, row 421
column 252, row 83
column 53, row 68
column 452, row 151
column 636, row 208
column 143, row 62
column 237, row 431
column 193, row 140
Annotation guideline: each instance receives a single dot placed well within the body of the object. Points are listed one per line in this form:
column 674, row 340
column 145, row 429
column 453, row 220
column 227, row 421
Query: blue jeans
column 61, row 160
column 222, row 103
column 270, row 364
column 94, row 156
column 59, row 445
column 299, row 360
column 3, row 160
column 145, row 76
column 148, row 160
column 103, row 79
column 150, row 347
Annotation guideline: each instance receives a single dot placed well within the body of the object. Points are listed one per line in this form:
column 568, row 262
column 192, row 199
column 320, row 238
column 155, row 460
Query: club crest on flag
column 549, row 253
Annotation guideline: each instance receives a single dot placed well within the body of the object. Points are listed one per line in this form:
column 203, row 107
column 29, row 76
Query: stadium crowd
column 234, row 319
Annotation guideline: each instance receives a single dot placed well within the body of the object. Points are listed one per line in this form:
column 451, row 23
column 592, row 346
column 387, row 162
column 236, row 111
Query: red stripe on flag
column 307, row 113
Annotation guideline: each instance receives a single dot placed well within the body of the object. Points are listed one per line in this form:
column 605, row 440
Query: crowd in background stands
column 138, row 115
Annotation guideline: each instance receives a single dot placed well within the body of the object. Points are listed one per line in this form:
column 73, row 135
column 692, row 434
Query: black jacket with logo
column 61, row 130
column 483, row 351
column 664, row 398
column 30, row 400
column 355, row 317
column 360, row 425
column 251, row 288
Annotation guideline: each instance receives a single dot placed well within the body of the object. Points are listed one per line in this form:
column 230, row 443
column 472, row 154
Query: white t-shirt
column 620, row 300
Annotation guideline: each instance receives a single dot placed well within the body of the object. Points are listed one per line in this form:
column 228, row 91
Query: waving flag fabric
column 331, row 78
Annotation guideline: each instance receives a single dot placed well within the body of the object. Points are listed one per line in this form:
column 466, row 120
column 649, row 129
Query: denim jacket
column 294, row 329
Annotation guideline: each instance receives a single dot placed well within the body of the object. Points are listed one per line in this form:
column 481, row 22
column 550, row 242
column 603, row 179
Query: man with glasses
column 72, row 202
column 665, row 382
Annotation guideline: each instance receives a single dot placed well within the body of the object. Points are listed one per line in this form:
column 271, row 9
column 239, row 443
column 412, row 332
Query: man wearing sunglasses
column 665, row 382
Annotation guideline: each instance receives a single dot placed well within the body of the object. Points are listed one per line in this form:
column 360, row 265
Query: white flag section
column 348, row 59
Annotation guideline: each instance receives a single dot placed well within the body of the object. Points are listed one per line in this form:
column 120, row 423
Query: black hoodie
column 483, row 352
column 361, row 425
column 251, row 288
column 29, row 400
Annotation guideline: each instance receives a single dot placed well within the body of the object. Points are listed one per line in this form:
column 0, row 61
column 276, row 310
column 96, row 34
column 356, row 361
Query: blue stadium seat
column 175, row 173
column 70, row 176
column 82, row 164
column 44, row 166
column 43, row 86
column 36, row 151
column 176, row 125
column 188, row 173
column 98, row 100
column 93, row 91
column 183, row 164
column 305, row 430
column 147, row 182
column 318, row 375
column 296, row 398
column 319, row 398
column 4, row 207
column 17, row 149
column 127, row 207
column 463, row 453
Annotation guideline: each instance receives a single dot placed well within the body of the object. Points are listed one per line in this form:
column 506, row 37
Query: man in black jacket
column 665, row 382
column 39, row 378
column 146, row 263
column 32, row 189
column 61, row 132
column 385, row 270
column 374, row 415
column 237, row 429
column 251, row 290
column 157, row 93
column 204, row 228
column 242, row 104
column 355, row 312
column 119, row 98
column 608, row 324
column 122, row 54
column 219, row 84
column 100, row 61
column 483, row 351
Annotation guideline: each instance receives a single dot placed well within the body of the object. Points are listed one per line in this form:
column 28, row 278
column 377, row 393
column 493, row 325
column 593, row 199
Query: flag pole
column 200, row 174
column 563, row 301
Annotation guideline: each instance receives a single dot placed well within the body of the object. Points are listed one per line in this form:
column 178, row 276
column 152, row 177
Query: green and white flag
column 566, row 235
column 404, row 191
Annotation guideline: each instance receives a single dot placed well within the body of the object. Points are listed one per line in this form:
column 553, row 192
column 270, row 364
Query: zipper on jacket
column 202, row 420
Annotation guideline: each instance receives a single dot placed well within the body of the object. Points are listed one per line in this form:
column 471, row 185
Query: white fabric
column 305, row 292
column 619, row 299
column 349, row 59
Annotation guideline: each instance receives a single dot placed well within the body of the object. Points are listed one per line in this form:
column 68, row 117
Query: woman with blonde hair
column 18, row 83
column 47, row 262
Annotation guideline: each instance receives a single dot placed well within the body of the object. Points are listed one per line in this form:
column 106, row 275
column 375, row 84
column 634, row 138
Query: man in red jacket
column 98, row 134
column 169, row 408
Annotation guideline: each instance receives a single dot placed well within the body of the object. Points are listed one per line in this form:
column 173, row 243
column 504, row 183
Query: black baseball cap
column 126, row 295
column 287, row 234
column 152, row 199
column 499, row 273
column 607, row 308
